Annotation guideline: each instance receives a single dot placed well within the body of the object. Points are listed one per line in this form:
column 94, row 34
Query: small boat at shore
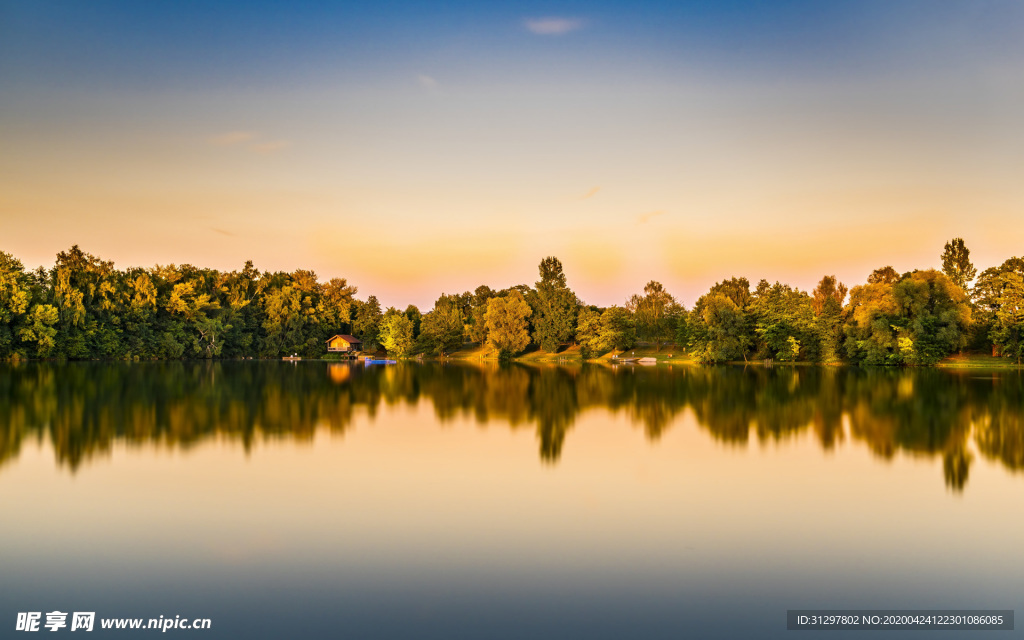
column 372, row 361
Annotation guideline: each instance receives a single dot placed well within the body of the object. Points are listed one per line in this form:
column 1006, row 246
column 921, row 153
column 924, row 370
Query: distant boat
column 292, row 358
column 623, row 360
column 371, row 361
column 648, row 361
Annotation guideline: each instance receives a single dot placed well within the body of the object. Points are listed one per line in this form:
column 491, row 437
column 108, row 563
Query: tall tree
column 335, row 306
column 506, row 324
column 885, row 275
column 588, row 332
column 396, row 332
column 366, row 325
column 442, row 328
column 201, row 313
column 870, row 337
column 988, row 294
column 415, row 317
column 1008, row 329
column 935, row 314
column 15, row 297
column 89, row 296
column 618, row 329
column 720, row 327
column 655, row 313
column 478, row 324
column 783, row 318
column 956, row 263
column 918, row 320
column 829, row 292
column 39, row 329
column 555, row 312
column 725, row 333
column 829, row 296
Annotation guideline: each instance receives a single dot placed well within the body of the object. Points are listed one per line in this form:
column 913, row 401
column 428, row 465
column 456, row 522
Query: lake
column 454, row 500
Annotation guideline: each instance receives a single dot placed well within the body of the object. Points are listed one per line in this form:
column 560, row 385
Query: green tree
column 202, row 315
column 396, row 333
column 15, row 297
column 918, row 320
column 366, row 325
column 956, row 263
column 241, row 298
column 555, row 310
column 442, row 328
column 935, row 312
column 618, row 329
column 720, row 326
column 724, row 331
column 39, row 329
column 782, row 315
column 988, row 291
column 885, row 275
column 588, row 332
column 870, row 338
column 90, row 296
column 478, row 325
column 415, row 317
column 1008, row 329
column 684, row 334
column 827, row 303
column 655, row 313
column 507, row 329
column 334, row 308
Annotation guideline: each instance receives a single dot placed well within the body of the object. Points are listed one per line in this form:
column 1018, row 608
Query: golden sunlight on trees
column 85, row 308
column 396, row 333
column 827, row 303
column 956, row 263
column 506, row 324
column 442, row 329
column 656, row 313
column 618, row 330
column 588, row 332
column 919, row 319
column 554, row 313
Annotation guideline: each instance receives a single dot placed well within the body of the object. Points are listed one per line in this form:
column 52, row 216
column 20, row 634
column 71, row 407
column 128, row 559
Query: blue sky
column 683, row 142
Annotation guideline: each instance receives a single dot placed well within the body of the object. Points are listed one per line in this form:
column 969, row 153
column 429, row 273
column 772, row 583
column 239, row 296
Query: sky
column 415, row 148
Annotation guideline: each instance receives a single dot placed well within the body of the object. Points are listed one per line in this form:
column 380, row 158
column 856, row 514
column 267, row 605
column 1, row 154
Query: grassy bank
column 569, row 354
column 977, row 361
column 669, row 354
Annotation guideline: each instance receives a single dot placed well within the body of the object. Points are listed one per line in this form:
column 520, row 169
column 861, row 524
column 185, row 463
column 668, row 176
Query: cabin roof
column 346, row 338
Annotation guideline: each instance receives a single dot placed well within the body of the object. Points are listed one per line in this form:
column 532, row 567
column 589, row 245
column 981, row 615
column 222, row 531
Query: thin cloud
column 269, row 147
column 232, row 138
column 222, row 231
column 552, row 26
column 426, row 81
column 644, row 218
column 590, row 193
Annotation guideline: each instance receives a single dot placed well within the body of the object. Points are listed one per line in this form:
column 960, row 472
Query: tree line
column 85, row 308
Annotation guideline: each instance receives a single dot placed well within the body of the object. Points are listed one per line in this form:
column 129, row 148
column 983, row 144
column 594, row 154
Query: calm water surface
column 312, row 499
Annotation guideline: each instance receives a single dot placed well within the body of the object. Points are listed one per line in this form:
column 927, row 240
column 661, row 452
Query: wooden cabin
column 343, row 344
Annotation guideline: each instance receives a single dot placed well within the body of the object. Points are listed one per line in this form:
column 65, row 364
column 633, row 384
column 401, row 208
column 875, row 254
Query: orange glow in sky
column 434, row 158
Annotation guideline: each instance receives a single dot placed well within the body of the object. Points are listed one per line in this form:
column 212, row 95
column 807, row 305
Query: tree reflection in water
column 84, row 408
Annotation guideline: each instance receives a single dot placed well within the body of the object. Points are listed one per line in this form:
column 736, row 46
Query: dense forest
column 85, row 308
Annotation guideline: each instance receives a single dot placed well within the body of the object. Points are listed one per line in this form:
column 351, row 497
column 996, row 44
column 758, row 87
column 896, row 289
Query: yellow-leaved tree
column 507, row 329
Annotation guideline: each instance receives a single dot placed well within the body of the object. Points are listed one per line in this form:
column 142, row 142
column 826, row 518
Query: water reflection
column 84, row 408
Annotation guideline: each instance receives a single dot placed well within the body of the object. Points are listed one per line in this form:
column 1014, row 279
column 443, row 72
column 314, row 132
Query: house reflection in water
column 339, row 373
